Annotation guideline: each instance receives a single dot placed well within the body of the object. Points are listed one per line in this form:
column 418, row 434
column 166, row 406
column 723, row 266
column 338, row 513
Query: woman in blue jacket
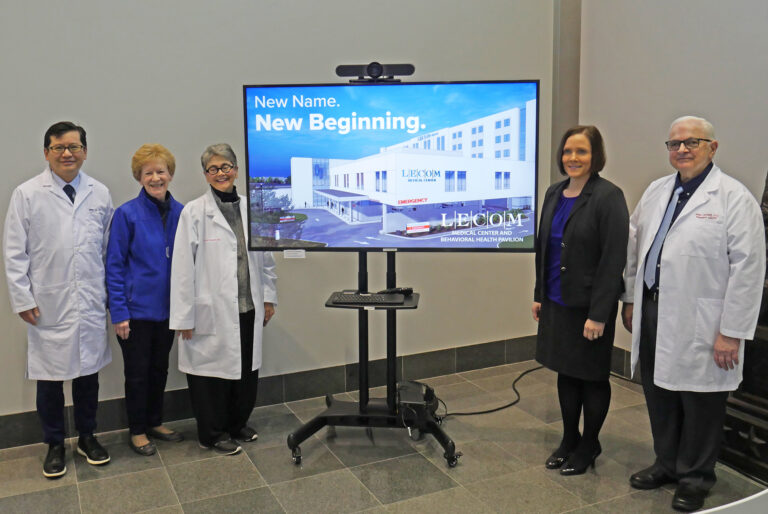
column 138, row 282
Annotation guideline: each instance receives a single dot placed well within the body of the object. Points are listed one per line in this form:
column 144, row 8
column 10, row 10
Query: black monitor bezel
column 378, row 249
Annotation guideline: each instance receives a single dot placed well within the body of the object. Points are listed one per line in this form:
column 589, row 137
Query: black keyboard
column 367, row 299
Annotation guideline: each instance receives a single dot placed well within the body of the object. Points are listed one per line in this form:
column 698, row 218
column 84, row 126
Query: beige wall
column 643, row 64
column 172, row 71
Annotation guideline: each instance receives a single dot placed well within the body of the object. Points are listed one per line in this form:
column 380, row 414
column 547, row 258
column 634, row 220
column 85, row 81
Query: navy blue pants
column 145, row 355
column 50, row 406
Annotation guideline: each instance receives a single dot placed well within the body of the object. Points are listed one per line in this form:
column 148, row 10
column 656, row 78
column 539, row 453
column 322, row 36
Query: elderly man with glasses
column 54, row 242
column 695, row 263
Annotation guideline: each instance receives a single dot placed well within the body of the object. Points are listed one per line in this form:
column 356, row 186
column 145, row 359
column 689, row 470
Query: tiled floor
column 501, row 469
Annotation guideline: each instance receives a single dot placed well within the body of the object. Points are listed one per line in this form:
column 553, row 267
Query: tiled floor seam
column 214, row 496
column 283, row 482
column 480, row 500
column 458, row 486
column 348, row 469
column 382, row 505
column 415, row 452
column 77, row 485
column 612, row 498
column 277, row 499
column 568, row 491
column 165, row 469
column 607, row 500
column 191, row 461
column 476, row 497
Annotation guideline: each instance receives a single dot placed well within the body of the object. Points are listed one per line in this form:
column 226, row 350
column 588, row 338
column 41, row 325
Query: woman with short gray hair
column 221, row 297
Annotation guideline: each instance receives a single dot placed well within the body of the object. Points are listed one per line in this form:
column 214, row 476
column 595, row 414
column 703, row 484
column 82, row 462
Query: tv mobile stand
column 410, row 406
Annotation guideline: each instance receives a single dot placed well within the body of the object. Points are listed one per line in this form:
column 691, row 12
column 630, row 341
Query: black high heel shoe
column 557, row 459
column 559, row 456
column 580, row 461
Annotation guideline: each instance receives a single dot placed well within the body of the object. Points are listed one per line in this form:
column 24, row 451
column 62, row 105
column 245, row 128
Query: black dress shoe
column 144, row 450
column 581, row 460
column 94, row 453
column 246, row 434
column 54, row 465
column 172, row 436
column 558, row 458
column 223, row 447
column 688, row 498
column 650, row 478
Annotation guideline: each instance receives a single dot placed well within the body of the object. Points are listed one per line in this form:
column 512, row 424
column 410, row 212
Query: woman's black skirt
column 562, row 347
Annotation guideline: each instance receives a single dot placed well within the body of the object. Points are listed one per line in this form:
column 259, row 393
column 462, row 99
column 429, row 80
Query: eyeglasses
column 692, row 143
column 57, row 149
column 224, row 168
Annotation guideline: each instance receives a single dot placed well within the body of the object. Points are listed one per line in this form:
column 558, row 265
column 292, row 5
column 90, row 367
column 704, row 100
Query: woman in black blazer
column 581, row 250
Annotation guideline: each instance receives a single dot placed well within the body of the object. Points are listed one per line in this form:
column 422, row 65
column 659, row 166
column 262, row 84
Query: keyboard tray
column 348, row 298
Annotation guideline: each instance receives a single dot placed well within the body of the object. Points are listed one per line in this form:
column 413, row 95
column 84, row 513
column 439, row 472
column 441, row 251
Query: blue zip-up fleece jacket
column 139, row 256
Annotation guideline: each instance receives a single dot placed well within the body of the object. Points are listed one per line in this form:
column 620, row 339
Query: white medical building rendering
column 484, row 165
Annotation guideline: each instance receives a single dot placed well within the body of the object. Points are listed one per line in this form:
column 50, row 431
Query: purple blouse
column 562, row 209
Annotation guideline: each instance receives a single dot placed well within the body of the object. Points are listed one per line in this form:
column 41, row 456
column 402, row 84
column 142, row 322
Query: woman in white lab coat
column 221, row 297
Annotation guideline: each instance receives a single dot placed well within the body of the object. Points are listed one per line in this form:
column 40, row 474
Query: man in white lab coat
column 54, row 242
column 695, row 268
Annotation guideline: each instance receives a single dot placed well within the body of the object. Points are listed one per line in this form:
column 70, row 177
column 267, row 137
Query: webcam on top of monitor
column 374, row 72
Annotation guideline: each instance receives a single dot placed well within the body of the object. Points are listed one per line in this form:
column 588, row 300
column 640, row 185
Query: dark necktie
column 70, row 192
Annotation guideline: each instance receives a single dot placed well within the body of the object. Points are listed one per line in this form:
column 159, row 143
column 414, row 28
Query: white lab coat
column 204, row 290
column 712, row 269
column 54, row 260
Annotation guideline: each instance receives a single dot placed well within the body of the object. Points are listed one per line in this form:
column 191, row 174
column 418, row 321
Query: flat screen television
column 392, row 166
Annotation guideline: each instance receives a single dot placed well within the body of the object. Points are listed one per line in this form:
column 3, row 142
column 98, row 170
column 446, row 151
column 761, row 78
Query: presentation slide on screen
column 407, row 166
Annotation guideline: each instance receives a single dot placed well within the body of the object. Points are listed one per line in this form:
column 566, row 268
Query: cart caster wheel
column 296, row 455
column 452, row 460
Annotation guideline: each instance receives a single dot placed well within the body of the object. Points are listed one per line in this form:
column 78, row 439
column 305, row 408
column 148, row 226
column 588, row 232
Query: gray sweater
column 231, row 212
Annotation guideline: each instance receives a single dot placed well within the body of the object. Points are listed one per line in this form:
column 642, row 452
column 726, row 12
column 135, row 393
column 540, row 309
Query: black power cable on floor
column 512, row 403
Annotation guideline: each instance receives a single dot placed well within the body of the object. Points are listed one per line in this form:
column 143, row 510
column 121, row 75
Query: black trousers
column 687, row 426
column 145, row 355
column 222, row 407
column 50, row 406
